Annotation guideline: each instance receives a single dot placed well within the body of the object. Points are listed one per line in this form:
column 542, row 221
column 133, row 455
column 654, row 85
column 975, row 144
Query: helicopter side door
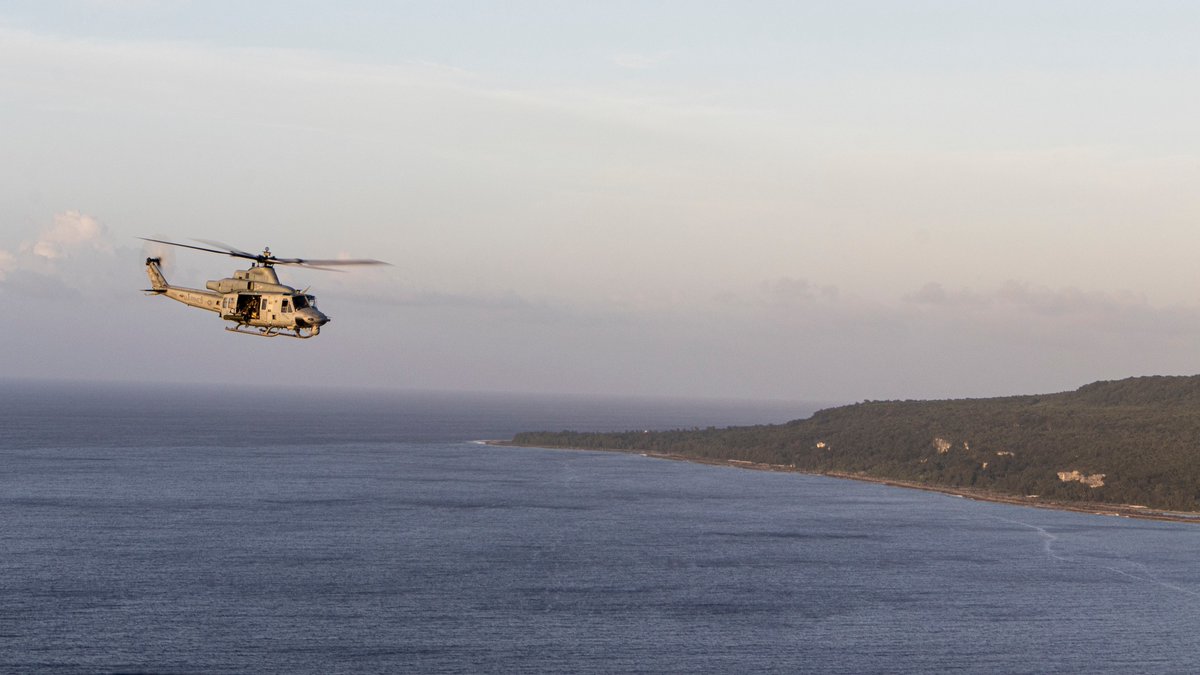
column 248, row 306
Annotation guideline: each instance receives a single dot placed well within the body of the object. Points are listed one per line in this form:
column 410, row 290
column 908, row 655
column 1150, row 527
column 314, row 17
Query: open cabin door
column 248, row 306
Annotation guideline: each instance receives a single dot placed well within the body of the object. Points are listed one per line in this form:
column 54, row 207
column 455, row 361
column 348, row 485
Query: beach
column 1094, row 508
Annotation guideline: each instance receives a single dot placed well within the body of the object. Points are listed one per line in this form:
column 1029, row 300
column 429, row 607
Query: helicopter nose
column 310, row 317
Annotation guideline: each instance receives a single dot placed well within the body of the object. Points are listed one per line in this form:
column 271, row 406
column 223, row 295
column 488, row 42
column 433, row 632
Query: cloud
column 502, row 301
column 7, row 263
column 1068, row 301
column 934, row 294
column 71, row 230
column 1027, row 298
column 74, row 252
column 790, row 290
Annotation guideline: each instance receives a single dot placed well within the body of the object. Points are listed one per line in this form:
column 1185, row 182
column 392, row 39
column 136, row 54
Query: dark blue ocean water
column 233, row 530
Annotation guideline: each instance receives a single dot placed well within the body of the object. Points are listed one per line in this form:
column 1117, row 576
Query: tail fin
column 158, row 283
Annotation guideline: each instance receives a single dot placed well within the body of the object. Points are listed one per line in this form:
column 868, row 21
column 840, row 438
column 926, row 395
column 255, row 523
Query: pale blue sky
column 827, row 201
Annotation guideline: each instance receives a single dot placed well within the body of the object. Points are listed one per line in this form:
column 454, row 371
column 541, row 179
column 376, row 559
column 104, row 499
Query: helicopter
column 252, row 298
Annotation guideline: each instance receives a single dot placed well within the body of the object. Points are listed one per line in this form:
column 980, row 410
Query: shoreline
column 974, row 494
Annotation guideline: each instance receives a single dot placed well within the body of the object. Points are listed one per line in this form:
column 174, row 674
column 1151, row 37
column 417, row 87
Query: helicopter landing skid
column 272, row 332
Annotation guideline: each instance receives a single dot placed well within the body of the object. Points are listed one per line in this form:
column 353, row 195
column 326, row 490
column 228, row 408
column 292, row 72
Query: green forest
column 1133, row 441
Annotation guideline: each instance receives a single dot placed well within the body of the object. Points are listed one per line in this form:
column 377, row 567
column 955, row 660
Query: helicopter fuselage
column 252, row 298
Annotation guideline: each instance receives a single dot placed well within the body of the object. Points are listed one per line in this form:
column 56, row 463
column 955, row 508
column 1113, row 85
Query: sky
column 804, row 201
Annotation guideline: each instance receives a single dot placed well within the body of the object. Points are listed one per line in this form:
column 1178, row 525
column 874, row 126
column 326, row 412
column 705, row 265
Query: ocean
column 237, row 529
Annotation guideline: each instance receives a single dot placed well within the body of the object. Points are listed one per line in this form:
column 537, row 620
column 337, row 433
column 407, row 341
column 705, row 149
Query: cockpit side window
column 300, row 301
column 286, row 307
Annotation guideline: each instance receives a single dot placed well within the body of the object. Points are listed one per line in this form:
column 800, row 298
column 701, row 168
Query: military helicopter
column 252, row 298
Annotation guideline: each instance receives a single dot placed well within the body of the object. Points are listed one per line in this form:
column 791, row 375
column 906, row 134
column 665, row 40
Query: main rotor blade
column 226, row 247
column 315, row 263
column 307, row 262
column 311, row 263
column 236, row 254
column 306, row 266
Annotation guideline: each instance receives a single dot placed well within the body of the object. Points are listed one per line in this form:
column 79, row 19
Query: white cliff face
column 1094, row 480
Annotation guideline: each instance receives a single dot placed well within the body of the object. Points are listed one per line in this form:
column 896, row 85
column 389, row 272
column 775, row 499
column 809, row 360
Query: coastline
column 1112, row 510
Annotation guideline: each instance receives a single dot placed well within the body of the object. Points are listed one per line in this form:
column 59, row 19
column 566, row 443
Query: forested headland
column 1125, row 442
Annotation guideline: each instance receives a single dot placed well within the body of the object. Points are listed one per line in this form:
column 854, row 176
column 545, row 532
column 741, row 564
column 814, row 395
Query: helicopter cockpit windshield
column 302, row 301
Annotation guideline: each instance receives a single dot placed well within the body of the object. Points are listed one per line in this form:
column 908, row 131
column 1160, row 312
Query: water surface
column 194, row 531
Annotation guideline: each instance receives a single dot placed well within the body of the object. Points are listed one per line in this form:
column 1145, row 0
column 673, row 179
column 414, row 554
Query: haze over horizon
column 765, row 200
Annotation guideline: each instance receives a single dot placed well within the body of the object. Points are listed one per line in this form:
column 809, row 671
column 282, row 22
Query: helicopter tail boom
column 188, row 296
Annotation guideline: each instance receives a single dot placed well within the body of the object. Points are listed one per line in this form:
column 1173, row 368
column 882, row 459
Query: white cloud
column 72, row 256
column 71, row 230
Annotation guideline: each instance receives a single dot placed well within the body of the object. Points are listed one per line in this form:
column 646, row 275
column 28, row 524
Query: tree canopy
column 1133, row 441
